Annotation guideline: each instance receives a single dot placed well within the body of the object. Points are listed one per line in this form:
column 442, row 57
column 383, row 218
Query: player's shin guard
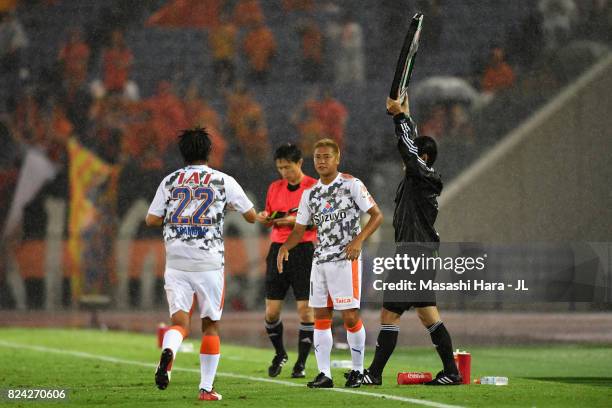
column 172, row 340
column 355, row 337
column 305, row 339
column 275, row 333
column 209, row 360
column 323, row 341
column 444, row 346
column 385, row 344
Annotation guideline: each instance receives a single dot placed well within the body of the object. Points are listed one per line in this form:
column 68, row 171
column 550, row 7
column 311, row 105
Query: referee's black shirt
column 416, row 204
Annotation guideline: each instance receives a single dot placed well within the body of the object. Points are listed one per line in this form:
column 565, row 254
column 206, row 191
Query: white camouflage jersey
column 193, row 201
column 335, row 209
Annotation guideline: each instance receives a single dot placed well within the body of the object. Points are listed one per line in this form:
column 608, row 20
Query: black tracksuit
column 416, row 204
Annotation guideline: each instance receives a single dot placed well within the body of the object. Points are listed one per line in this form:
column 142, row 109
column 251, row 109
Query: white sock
column 323, row 341
column 208, row 370
column 172, row 340
column 356, row 342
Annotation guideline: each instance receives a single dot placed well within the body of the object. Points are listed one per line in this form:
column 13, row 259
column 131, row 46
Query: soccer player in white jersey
column 334, row 205
column 191, row 204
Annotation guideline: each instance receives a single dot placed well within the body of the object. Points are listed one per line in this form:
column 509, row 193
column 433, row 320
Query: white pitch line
column 110, row 359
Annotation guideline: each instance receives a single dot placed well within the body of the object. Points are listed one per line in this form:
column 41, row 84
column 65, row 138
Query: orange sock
column 323, row 324
column 209, row 360
column 210, row 345
column 355, row 328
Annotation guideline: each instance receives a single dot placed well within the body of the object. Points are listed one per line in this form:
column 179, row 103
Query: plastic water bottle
column 341, row 364
column 494, row 380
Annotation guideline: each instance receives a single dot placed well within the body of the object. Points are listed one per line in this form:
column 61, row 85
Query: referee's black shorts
column 296, row 272
column 425, row 298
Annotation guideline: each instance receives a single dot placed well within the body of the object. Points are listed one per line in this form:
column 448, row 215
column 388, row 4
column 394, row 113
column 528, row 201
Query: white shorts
column 336, row 284
column 208, row 288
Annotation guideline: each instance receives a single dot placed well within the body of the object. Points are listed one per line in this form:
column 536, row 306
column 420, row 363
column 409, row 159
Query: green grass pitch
column 116, row 369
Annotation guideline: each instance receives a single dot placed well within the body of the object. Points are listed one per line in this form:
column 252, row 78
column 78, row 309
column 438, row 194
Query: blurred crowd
column 548, row 47
column 92, row 92
column 108, row 114
column 90, row 96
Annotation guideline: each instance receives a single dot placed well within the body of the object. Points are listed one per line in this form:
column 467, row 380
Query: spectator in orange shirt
column 57, row 130
column 167, row 114
column 318, row 119
column 498, row 74
column 333, row 116
column 246, row 120
column 140, row 144
column 311, row 129
column 199, row 113
column 222, row 40
column 259, row 46
column 248, row 13
column 45, row 126
column 312, row 51
column 117, row 61
column 74, row 57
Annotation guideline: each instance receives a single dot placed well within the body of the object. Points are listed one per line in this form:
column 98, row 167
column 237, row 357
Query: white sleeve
column 236, row 197
column 362, row 196
column 303, row 215
column 158, row 205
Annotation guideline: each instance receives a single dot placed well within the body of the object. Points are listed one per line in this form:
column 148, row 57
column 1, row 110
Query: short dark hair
column 195, row 145
column 289, row 152
column 327, row 142
column 427, row 145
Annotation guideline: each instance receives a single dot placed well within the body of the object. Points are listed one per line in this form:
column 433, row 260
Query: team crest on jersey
column 328, row 208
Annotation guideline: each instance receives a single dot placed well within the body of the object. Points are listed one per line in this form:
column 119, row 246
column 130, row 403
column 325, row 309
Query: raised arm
column 406, row 132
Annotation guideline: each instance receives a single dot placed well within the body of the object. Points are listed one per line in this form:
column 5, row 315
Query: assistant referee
column 282, row 202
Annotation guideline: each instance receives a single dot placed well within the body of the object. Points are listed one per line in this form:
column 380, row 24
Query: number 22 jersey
column 335, row 209
column 193, row 202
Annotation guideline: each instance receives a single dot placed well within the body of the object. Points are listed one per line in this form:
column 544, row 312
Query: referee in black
column 416, row 209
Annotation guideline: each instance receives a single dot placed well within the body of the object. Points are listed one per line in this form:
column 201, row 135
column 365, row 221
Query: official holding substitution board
column 282, row 203
column 416, row 209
